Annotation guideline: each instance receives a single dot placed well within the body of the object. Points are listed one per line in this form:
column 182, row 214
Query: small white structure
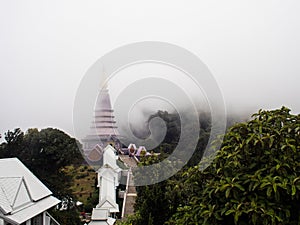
column 101, row 217
column 142, row 151
column 24, row 199
column 132, row 149
column 108, row 181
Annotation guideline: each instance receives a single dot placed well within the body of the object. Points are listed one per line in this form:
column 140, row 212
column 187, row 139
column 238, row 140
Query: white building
column 108, row 181
column 132, row 149
column 24, row 199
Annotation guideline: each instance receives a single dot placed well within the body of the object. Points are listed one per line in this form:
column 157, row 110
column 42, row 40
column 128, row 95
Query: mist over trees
column 173, row 124
column 157, row 203
column 254, row 179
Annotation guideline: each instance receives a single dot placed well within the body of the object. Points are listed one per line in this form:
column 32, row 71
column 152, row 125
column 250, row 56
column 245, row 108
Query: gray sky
column 251, row 47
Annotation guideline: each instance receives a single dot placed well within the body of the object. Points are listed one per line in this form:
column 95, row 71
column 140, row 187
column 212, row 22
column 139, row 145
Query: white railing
column 126, row 192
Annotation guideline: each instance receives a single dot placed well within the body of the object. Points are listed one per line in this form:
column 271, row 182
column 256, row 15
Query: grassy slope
column 83, row 181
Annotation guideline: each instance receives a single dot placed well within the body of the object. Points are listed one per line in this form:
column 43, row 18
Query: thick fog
column 251, row 48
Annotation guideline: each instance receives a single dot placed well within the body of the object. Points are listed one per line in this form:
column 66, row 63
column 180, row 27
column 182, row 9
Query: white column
column 44, row 218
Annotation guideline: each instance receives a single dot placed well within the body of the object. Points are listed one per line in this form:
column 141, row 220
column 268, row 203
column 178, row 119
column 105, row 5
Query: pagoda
column 103, row 130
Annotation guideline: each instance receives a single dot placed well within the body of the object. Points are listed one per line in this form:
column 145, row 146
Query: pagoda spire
column 104, row 120
column 103, row 130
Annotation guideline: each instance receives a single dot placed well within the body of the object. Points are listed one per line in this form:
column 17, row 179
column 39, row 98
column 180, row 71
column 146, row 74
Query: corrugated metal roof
column 22, row 194
column 34, row 209
column 4, row 203
column 10, row 187
column 13, row 194
column 13, row 167
column 100, row 214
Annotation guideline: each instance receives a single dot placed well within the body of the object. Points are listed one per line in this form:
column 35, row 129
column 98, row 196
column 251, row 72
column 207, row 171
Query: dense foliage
column 255, row 178
column 155, row 203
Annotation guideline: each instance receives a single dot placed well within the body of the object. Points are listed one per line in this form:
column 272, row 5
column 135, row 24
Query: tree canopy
column 255, row 178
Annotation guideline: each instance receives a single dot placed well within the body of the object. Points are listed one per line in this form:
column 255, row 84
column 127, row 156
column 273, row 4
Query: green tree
column 155, row 203
column 13, row 144
column 254, row 179
column 69, row 217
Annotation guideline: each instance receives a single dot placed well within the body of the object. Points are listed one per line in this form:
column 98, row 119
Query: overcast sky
column 251, row 47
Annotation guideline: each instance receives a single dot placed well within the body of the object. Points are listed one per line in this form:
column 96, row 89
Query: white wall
column 108, row 185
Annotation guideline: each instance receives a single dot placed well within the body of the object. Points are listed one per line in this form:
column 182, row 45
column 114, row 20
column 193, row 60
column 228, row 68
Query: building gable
column 22, row 195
